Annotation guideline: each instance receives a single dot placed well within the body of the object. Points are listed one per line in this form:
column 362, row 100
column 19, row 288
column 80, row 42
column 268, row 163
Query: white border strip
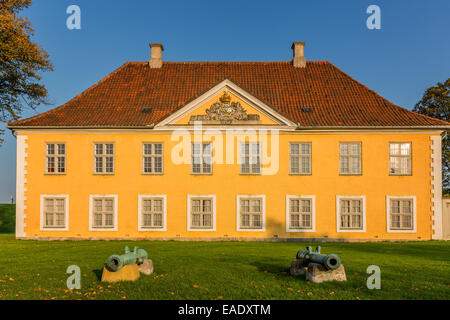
column 436, row 186
column 21, row 171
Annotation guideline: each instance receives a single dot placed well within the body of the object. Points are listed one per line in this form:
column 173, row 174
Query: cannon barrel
column 116, row 262
column 330, row 261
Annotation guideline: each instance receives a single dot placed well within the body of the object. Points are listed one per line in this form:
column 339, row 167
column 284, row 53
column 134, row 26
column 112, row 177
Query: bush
column 7, row 218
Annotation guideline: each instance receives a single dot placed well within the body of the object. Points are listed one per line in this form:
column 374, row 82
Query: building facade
column 229, row 150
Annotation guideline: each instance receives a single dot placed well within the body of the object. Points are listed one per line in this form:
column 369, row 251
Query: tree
column 436, row 103
column 21, row 61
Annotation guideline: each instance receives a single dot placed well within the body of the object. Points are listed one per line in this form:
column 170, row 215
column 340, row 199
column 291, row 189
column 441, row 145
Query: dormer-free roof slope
column 317, row 95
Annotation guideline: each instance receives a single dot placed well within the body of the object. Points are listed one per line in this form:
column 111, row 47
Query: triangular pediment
column 226, row 104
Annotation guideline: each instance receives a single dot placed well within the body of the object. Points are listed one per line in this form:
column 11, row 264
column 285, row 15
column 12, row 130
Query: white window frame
column 153, row 156
column 142, row 197
column 104, row 155
column 42, row 210
column 56, row 156
column 91, row 212
column 238, row 212
column 399, row 156
column 191, row 197
column 250, row 155
column 313, row 213
column 350, row 156
column 300, row 156
column 338, row 214
column 202, row 155
column 388, row 214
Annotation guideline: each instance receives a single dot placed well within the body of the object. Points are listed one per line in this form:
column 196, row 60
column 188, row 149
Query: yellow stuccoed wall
column 226, row 182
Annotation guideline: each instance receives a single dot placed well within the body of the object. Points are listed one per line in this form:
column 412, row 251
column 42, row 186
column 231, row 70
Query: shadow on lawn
column 98, row 273
column 278, row 270
column 406, row 249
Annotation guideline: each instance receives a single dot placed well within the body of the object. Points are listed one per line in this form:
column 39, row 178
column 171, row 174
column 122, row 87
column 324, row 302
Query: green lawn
column 222, row 270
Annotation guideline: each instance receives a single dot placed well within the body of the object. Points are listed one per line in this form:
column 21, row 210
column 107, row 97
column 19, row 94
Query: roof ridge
column 217, row 62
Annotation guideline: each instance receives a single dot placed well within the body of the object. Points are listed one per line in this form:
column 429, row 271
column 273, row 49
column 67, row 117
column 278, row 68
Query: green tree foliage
column 436, row 103
column 7, row 218
column 21, row 61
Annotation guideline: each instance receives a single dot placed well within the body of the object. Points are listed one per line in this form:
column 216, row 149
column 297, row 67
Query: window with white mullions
column 300, row 211
column 54, row 212
column 400, row 158
column 251, row 213
column 152, row 212
column 103, row 212
column 351, row 215
column 104, row 158
column 201, row 213
column 55, row 158
column 250, row 158
column 152, row 158
column 201, row 158
column 401, row 214
column 350, row 158
column 300, row 158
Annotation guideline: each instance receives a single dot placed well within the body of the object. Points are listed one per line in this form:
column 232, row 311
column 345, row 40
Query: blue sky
column 410, row 52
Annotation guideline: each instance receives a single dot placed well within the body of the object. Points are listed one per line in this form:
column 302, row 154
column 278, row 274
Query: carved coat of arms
column 225, row 111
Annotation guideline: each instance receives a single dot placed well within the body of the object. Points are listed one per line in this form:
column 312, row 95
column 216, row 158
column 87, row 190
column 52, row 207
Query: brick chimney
column 298, row 50
column 156, row 55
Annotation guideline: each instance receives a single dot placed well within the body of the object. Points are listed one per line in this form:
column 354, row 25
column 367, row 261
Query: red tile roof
column 335, row 99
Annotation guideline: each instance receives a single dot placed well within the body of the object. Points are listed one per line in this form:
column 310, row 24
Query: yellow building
column 229, row 150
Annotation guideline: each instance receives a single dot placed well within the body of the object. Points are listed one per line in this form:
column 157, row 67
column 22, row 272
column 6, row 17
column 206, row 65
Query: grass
column 222, row 270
